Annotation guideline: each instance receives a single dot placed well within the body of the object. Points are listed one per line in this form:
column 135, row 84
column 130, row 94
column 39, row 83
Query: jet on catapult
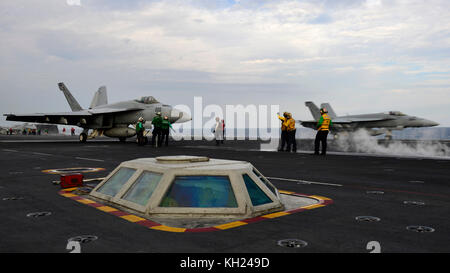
column 375, row 124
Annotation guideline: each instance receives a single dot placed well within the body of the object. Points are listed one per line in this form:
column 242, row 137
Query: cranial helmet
column 323, row 110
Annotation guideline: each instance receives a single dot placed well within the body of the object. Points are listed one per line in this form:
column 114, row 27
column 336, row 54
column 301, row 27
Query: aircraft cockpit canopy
column 396, row 113
column 147, row 100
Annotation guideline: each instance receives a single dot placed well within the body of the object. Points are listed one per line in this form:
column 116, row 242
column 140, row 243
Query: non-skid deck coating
column 358, row 186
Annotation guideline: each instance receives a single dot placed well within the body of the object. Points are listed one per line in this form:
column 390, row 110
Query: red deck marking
column 119, row 213
column 147, row 223
column 254, row 219
column 95, row 205
column 295, row 210
column 327, row 202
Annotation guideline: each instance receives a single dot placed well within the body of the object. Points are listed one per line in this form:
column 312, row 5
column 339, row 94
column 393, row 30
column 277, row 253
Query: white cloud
column 294, row 50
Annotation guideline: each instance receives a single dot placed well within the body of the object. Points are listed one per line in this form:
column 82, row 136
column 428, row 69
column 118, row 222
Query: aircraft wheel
column 83, row 137
column 122, row 139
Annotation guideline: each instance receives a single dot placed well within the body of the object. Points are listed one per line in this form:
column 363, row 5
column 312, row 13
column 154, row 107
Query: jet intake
column 120, row 132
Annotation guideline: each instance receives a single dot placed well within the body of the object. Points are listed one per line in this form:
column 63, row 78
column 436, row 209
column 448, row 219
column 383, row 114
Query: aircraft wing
column 339, row 120
column 105, row 110
column 72, row 118
column 46, row 117
column 310, row 123
column 342, row 120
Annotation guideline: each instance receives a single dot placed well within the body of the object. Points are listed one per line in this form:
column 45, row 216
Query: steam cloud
column 362, row 141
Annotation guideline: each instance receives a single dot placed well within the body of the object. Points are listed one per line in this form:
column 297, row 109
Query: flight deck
column 400, row 204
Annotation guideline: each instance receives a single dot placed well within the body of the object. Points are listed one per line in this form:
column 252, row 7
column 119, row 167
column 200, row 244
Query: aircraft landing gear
column 83, row 137
column 122, row 139
column 388, row 135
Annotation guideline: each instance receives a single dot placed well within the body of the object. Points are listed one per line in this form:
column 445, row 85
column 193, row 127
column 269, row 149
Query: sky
column 361, row 56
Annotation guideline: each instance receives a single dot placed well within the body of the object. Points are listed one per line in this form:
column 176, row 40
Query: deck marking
column 132, row 218
column 323, row 201
column 106, row 209
column 276, row 214
column 72, row 170
column 36, row 153
column 10, row 150
column 91, row 159
column 304, row 181
column 167, row 228
column 230, row 225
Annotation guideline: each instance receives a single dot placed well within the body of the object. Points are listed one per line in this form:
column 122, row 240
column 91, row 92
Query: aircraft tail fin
column 330, row 110
column 314, row 110
column 73, row 103
column 100, row 97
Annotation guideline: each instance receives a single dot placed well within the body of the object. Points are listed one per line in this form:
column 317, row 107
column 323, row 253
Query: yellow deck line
column 69, row 189
column 276, row 214
column 230, row 225
column 132, row 218
column 106, row 208
column 319, row 197
column 313, row 206
column 285, row 192
column 68, row 195
column 86, row 201
column 166, row 228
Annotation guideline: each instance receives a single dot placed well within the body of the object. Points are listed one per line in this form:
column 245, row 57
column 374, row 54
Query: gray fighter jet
column 112, row 120
column 375, row 124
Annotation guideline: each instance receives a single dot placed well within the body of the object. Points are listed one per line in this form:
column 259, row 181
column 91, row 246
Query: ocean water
column 432, row 133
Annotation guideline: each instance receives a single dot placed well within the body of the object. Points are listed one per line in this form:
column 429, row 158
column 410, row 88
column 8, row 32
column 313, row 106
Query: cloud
column 294, row 51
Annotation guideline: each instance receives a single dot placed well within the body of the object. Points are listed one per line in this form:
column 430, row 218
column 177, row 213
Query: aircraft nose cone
column 432, row 123
column 180, row 116
column 184, row 117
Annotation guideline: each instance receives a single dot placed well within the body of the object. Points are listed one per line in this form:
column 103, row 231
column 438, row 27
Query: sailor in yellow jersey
column 283, row 131
column 323, row 127
column 287, row 132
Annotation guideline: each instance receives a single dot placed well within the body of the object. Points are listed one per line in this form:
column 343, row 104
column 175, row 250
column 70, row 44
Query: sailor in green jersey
column 156, row 129
column 165, row 125
column 140, row 131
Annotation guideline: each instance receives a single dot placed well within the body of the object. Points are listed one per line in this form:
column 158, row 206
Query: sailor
column 218, row 131
column 165, row 125
column 140, row 131
column 283, row 130
column 72, row 131
column 323, row 127
column 223, row 127
column 156, row 129
column 290, row 129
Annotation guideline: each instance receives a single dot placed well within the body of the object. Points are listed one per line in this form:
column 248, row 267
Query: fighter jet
column 111, row 120
column 375, row 124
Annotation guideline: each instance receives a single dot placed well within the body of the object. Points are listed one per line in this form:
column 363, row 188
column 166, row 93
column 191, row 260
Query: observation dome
column 189, row 187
